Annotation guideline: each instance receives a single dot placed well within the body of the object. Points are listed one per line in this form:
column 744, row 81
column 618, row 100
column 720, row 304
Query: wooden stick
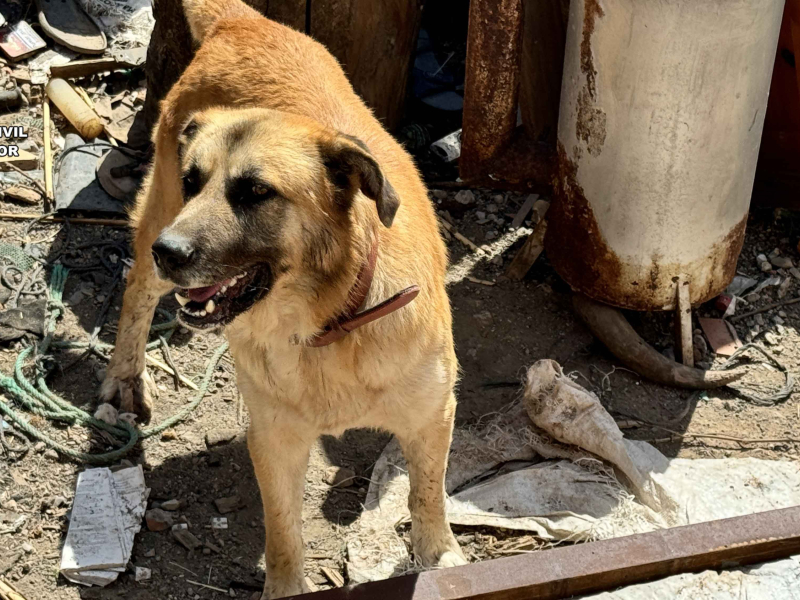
column 466, row 241
column 166, row 369
column 7, row 592
column 80, row 221
column 763, row 309
column 205, row 585
column 684, row 317
column 48, row 154
column 580, row 569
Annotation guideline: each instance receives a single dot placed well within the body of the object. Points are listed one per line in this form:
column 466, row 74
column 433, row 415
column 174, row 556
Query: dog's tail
column 203, row 15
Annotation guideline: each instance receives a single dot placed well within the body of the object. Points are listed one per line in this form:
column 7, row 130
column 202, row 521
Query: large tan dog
column 282, row 208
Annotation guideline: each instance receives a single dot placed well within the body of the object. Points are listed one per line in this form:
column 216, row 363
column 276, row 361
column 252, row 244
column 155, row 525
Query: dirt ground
column 499, row 330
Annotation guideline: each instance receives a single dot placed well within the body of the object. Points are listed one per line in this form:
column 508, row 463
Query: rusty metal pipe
column 491, row 86
column 610, row 326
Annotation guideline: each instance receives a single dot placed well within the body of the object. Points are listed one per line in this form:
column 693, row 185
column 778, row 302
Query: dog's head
column 264, row 192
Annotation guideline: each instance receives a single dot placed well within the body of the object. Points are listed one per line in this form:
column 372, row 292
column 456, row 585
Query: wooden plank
column 527, row 255
column 374, row 41
column 522, row 213
column 585, row 568
column 543, row 43
column 683, row 314
column 533, row 246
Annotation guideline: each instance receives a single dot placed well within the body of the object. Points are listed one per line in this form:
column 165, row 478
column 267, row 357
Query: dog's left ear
column 352, row 167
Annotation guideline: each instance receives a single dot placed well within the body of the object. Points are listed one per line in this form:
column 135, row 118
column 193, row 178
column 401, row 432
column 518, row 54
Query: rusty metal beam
column 593, row 567
column 491, row 86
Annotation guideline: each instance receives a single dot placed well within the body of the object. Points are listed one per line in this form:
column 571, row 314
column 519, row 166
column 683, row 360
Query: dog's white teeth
column 230, row 282
column 202, row 313
column 223, row 289
column 210, row 306
column 182, row 300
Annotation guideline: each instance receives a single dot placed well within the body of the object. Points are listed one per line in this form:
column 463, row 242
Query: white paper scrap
column 106, row 515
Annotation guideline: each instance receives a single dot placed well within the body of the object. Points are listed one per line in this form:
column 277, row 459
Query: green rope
column 44, row 403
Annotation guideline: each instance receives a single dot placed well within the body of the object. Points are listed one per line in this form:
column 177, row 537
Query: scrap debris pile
column 72, row 88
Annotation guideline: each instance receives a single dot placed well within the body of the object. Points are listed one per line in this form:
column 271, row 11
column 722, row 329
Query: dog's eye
column 191, row 183
column 261, row 191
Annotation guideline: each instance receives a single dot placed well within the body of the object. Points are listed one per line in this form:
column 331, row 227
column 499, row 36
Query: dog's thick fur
column 338, row 176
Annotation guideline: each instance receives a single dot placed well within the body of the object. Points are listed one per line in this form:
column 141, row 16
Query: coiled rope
column 40, row 400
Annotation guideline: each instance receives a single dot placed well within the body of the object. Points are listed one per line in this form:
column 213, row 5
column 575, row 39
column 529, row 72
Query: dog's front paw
column 451, row 559
column 135, row 393
column 438, row 553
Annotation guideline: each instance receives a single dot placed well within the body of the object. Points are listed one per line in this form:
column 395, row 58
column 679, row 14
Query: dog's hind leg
column 426, row 450
column 126, row 376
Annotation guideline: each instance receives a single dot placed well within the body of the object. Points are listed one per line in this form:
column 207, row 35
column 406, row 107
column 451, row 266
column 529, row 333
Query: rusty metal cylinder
column 662, row 107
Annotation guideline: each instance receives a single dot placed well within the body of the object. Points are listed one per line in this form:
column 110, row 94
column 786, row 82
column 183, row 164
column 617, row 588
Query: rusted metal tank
column 662, row 107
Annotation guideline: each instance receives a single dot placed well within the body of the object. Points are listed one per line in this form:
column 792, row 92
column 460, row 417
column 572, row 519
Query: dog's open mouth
column 218, row 304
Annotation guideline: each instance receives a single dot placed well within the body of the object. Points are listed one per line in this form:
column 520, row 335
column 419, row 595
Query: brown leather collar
column 349, row 320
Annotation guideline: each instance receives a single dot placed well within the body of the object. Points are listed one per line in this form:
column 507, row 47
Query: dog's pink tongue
column 203, row 293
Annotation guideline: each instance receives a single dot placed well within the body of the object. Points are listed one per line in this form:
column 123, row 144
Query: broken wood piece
column 579, row 569
column 527, row 255
column 721, row 335
column 466, row 241
column 166, row 368
column 333, row 576
column 24, row 160
column 611, row 327
column 18, row 193
column 522, row 213
column 683, row 315
column 54, row 219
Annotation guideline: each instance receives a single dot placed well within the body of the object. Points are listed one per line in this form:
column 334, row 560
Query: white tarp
column 510, row 473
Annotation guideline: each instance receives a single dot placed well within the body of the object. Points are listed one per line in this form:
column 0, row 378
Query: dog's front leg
column 279, row 449
column 126, row 376
column 426, row 447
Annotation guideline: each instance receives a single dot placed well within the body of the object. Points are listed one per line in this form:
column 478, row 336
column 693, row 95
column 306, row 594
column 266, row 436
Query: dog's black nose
column 172, row 251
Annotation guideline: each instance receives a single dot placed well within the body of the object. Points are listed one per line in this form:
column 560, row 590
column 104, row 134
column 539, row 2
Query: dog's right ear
column 187, row 134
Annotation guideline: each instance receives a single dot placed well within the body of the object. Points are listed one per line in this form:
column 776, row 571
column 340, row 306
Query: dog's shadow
column 359, row 450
